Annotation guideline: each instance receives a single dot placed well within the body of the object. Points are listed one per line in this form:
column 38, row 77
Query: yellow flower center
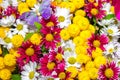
column 31, row 75
column 49, row 37
column 19, row 27
column 71, row 60
column 110, row 31
column 29, row 51
column 61, row 18
column 50, row 24
column 94, row 11
column 111, row 50
column 96, row 43
column 62, row 75
column 109, row 73
column 7, row 40
column 59, row 57
column 1, row 1
column 91, row 1
column 50, row 65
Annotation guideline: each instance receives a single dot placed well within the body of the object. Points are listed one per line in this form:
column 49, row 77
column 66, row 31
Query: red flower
column 97, row 41
column 50, row 37
column 109, row 72
column 28, row 52
column 94, row 10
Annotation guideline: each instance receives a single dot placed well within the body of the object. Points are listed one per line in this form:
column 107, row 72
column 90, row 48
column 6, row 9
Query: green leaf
column 37, row 25
column 28, row 36
column 4, row 51
column 109, row 16
column 16, row 77
column 94, row 20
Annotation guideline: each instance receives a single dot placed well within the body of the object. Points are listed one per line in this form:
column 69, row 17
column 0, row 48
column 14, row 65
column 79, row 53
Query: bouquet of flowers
column 59, row 40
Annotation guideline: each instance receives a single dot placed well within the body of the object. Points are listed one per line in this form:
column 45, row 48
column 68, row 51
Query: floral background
column 59, row 39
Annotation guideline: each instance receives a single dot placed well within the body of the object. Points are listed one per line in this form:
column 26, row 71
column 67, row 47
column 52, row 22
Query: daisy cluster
column 59, row 40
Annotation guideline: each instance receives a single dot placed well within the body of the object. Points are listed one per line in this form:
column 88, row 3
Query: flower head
column 109, row 71
column 28, row 52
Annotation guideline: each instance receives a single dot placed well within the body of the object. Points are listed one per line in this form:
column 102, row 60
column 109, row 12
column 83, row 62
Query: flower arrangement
column 59, row 40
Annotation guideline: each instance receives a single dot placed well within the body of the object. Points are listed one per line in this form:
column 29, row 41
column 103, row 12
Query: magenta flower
column 28, row 52
column 109, row 72
column 97, row 41
column 50, row 37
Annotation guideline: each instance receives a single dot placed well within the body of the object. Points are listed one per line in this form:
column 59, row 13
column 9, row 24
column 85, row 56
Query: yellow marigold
column 23, row 7
column 5, row 74
column 3, row 32
column 76, row 19
column 36, row 38
column 83, row 23
column 80, row 12
column 83, row 75
column 2, row 63
column 85, row 34
column 91, row 28
column 73, row 30
column 17, row 40
column 64, row 34
column 70, row 6
column 81, row 50
column 89, row 65
column 112, row 9
column 1, row 1
column 9, row 60
column 82, row 58
column 14, row 52
column 97, row 52
column 93, row 73
column 31, row 3
column 100, row 61
column 73, row 70
column 78, row 3
column 78, row 41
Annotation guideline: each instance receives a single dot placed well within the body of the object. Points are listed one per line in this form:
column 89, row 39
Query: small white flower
column 107, row 7
column 21, row 28
column 7, row 21
column 13, row 2
column 70, row 59
column 4, row 4
column 105, row 22
column 36, row 9
column 63, row 19
column 111, row 30
column 29, row 71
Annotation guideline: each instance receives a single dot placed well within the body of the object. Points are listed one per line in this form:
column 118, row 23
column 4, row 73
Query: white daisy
column 7, row 21
column 29, row 71
column 110, row 49
column 68, row 45
column 107, row 7
column 111, row 30
column 70, row 59
column 4, row 4
column 36, row 9
column 106, row 22
column 63, row 18
column 21, row 28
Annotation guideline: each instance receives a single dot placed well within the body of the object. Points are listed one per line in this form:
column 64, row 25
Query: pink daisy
column 50, row 37
column 46, row 66
column 109, row 72
column 95, row 10
column 51, row 22
column 97, row 41
column 57, row 55
column 28, row 52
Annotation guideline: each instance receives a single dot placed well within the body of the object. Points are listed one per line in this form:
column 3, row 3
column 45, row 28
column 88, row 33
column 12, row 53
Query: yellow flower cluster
column 7, row 66
column 25, row 6
column 79, row 31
